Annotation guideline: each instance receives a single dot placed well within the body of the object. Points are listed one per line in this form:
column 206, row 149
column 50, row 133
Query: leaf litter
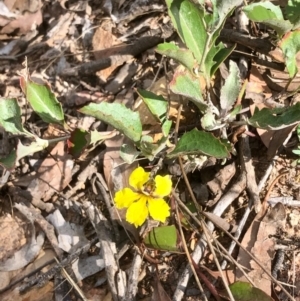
column 78, row 49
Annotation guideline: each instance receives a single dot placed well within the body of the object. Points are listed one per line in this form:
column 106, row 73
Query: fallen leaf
column 54, row 174
column 69, row 234
column 104, row 39
column 257, row 240
column 28, row 252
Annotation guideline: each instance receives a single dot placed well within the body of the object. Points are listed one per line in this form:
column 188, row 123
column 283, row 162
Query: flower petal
column 159, row 210
column 138, row 178
column 125, row 197
column 137, row 212
column 163, row 186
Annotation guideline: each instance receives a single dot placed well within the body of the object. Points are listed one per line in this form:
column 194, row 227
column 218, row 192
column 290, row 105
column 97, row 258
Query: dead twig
column 120, row 55
column 116, row 278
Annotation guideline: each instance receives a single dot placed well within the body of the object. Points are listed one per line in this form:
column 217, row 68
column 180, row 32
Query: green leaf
column 147, row 146
column 43, row 102
column 296, row 151
column 129, row 153
column 221, row 11
column 10, row 117
column 208, row 121
column 188, row 19
column 150, row 149
column 9, row 162
column 234, row 112
column 269, row 14
column 274, row 119
column 118, row 116
column 215, row 57
column 78, row 142
column 166, row 126
column 187, row 85
column 230, row 90
column 262, row 11
column 183, row 56
column 98, row 137
column 290, row 45
column 203, row 143
column 291, row 12
column 157, row 105
column 244, row 291
column 22, row 151
column 162, row 238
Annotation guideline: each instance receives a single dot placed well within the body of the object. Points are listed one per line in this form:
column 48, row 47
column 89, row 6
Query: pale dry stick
column 133, row 277
column 223, row 203
column 188, row 254
column 200, row 247
column 250, row 173
column 238, row 232
column 115, row 276
column 216, row 260
column 242, row 222
column 177, row 123
column 72, row 282
column 186, row 209
column 260, row 264
column 237, row 242
column 285, row 200
column 266, row 176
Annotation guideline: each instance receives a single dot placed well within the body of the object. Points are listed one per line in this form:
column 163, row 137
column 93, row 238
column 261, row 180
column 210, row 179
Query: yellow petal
column 159, row 210
column 125, row 197
column 163, row 186
column 138, row 178
column 137, row 212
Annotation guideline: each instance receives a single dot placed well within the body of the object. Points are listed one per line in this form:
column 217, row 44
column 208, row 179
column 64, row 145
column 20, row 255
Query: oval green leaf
column 157, row 105
column 188, row 20
column 10, row 117
column 162, row 238
column 187, row 85
column 202, row 143
column 244, row 291
column 43, row 102
column 118, row 116
column 183, row 56
column 275, row 119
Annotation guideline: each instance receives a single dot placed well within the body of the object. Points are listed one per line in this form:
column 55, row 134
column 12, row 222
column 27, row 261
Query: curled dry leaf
column 28, row 252
column 54, row 174
column 29, row 16
column 257, row 240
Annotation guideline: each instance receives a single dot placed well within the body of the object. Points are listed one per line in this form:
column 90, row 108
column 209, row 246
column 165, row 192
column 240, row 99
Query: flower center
column 149, row 187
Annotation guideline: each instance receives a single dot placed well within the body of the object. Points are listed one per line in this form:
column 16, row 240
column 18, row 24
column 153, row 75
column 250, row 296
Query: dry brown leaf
column 257, row 84
column 27, row 18
column 159, row 294
column 60, row 31
column 229, row 274
column 265, row 135
column 12, row 235
column 54, row 174
column 104, row 39
column 257, row 240
column 220, row 181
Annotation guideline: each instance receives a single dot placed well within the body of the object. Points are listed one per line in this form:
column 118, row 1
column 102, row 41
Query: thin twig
column 188, row 254
column 238, row 243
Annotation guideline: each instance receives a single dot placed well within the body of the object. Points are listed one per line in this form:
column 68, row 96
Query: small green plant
column 44, row 104
column 198, row 62
column 286, row 22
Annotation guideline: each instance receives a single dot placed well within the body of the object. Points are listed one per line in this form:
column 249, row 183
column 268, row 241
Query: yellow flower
column 146, row 198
